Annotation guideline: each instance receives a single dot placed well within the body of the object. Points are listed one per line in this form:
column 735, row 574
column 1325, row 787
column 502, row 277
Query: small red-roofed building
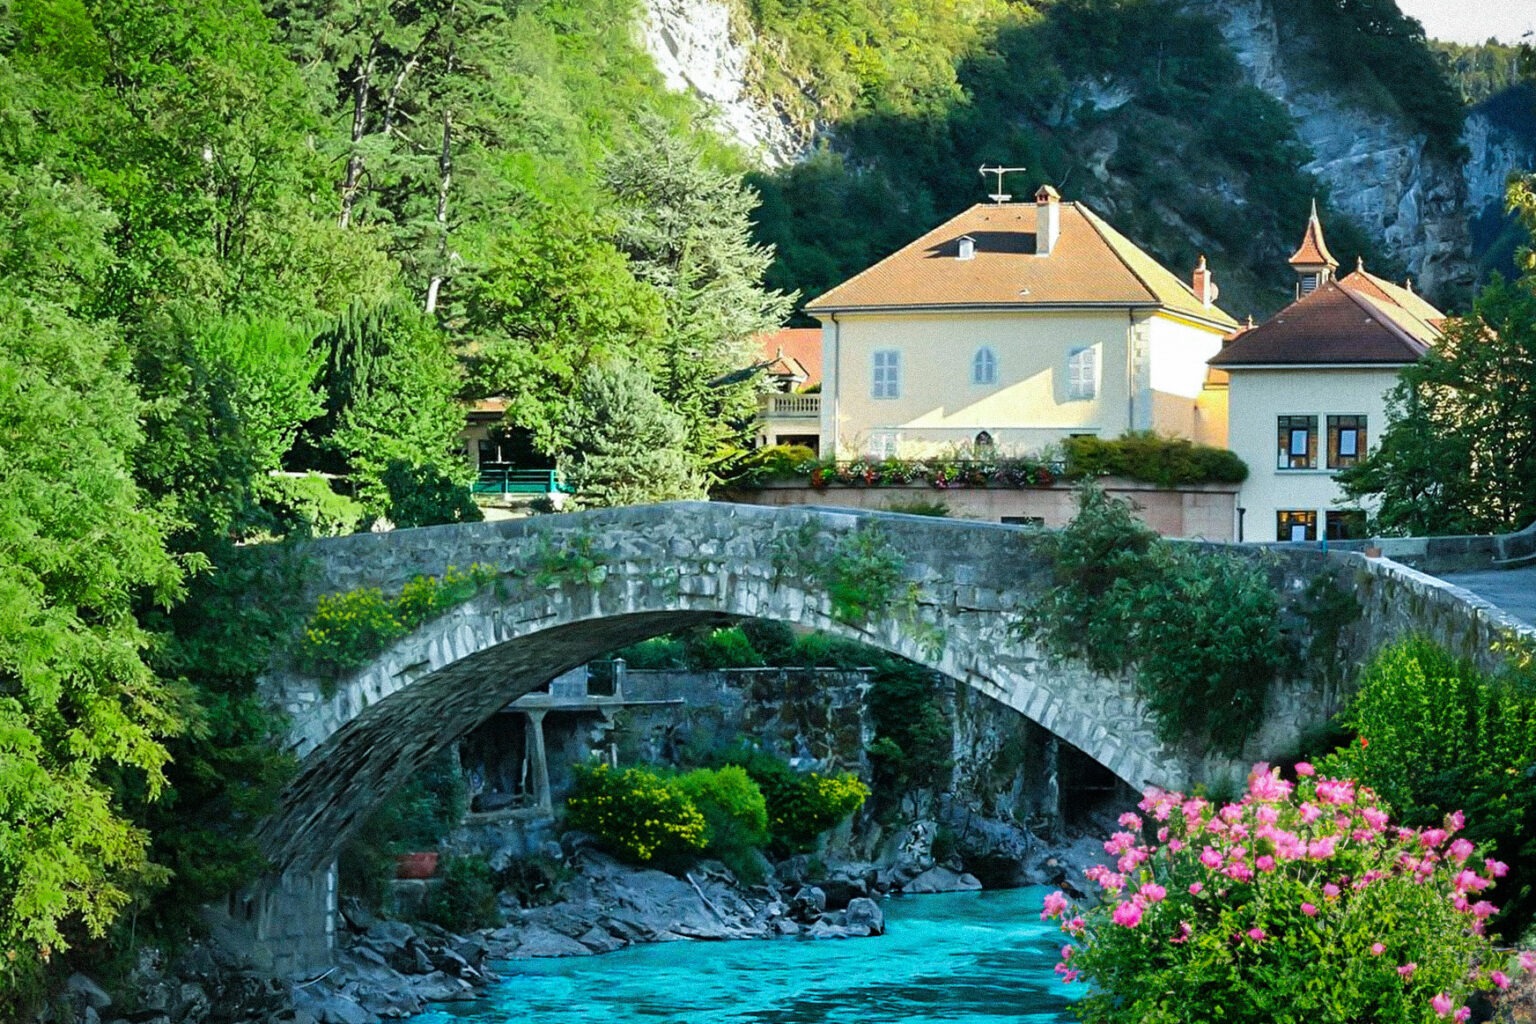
column 791, row 410
column 1307, row 392
column 1014, row 326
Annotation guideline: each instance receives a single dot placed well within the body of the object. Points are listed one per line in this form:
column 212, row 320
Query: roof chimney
column 1047, row 220
column 967, row 248
column 1203, row 285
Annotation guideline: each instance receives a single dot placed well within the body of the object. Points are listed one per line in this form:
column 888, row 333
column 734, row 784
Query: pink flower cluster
column 1327, row 835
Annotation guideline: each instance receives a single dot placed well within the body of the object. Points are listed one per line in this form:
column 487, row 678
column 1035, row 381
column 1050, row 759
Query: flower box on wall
column 416, row 865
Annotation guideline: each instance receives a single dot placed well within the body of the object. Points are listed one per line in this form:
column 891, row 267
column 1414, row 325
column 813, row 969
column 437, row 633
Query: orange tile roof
column 794, row 352
column 1313, row 250
column 1333, row 325
column 1091, row 264
column 1424, row 319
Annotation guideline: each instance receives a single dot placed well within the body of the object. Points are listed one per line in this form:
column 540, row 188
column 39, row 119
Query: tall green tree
column 1458, row 454
column 627, row 447
column 391, row 386
column 686, row 228
column 80, row 548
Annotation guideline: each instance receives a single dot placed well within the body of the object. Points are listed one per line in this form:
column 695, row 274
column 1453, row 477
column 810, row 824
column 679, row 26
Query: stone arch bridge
column 572, row 587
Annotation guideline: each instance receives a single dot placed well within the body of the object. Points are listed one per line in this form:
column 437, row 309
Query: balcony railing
column 793, row 407
column 518, row 481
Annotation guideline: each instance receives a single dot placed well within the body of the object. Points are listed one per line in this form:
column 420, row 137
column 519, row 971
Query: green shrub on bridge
column 1201, row 627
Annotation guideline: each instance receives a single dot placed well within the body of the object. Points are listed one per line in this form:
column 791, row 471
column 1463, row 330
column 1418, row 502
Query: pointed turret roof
column 1314, row 251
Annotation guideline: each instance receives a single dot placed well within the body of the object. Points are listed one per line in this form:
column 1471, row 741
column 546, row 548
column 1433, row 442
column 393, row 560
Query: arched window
column 984, row 366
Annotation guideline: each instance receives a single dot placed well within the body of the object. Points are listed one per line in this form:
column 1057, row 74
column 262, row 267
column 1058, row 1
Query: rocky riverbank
column 387, row 970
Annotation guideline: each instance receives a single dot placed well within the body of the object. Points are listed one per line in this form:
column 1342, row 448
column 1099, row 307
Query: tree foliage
column 1442, row 736
column 1200, row 628
column 1458, row 454
column 626, row 446
column 78, row 704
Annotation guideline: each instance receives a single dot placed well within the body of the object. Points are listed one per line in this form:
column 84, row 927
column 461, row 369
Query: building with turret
column 1307, row 391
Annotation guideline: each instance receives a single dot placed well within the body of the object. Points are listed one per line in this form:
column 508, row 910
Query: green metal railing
column 519, row 481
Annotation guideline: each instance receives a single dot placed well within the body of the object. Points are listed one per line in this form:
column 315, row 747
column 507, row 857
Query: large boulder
column 866, row 914
column 808, row 904
column 329, row 1007
column 941, row 879
column 540, row 942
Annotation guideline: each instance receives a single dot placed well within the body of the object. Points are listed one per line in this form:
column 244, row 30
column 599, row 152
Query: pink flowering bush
column 1300, row 903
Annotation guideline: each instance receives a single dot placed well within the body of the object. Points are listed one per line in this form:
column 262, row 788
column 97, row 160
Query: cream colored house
column 1016, row 325
column 1307, row 392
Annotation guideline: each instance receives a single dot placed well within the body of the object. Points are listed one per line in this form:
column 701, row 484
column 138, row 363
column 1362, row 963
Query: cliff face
column 1501, row 134
column 1376, row 168
column 698, row 47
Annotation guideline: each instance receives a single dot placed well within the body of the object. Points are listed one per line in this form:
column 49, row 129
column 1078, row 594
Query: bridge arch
column 573, row 587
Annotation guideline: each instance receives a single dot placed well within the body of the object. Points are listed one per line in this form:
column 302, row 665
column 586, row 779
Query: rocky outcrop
column 699, row 48
column 1377, row 169
column 1498, row 146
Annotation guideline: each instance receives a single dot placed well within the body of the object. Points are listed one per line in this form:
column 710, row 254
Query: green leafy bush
column 413, row 818
column 712, row 649
column 735, row 816
column 635, row 813
column 659, row 652
column 913, row 738
column 772, row 640
column 466, row 897
column 424, row 495
column 1433, row 734
column 1146, row 456
column 800, row 806
column 1298, row 903
column 349, row 627
column 774, row 462
column 1201, row 628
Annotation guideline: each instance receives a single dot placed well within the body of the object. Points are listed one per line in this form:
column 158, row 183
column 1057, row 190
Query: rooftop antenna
column 999, row 196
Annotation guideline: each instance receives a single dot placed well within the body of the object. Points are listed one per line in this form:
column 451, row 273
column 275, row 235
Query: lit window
column 1346, row 524
column 1346, row 441
column 1296, row 525
column 1298, row 442
column 887, row 380
column 1082, row 374
column 984, row 367
column 883, row 444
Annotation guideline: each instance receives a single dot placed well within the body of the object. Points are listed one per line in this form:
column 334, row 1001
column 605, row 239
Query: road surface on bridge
column 1512, row 590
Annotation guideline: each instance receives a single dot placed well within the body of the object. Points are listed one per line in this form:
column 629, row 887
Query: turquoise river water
column 967, row 958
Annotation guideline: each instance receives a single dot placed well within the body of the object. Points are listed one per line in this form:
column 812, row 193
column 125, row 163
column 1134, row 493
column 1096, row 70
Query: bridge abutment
column 285, row 924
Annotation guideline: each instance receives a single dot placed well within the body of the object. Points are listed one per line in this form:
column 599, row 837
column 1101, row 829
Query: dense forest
column 254, row 257
column 247, row 251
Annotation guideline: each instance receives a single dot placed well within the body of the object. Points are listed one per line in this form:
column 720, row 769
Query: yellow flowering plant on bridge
column 349, row 628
